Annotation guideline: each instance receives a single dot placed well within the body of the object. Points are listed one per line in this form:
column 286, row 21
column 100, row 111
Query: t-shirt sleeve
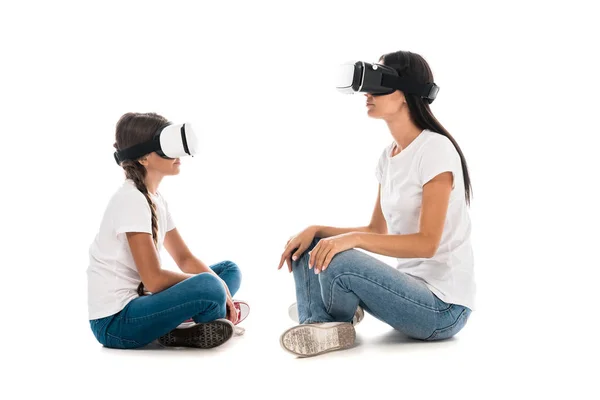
column 131, row 213
column 379, row 169
column 439, row 156
column 170, row 221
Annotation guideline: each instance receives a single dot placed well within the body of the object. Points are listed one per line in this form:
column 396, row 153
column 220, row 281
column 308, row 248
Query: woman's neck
column 403, row 130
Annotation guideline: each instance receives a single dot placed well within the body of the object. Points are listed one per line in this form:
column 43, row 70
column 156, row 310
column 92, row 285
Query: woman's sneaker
column 359, row 315
column 308, row 340
column 203, row 335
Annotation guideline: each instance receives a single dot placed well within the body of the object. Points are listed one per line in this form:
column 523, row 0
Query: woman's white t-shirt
column 449, row 273
column 112, row 274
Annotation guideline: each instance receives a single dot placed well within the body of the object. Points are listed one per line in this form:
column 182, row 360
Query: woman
column 420, row 217
column 125, row 263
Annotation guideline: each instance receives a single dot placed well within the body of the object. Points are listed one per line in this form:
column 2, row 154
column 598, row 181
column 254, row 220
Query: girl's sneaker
column 308, row 340
column 243, row 310
column 242, row 307
column 203, row 335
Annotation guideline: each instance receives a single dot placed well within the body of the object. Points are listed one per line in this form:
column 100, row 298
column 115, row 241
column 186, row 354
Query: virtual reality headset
column 170, row 141
column 379, row 79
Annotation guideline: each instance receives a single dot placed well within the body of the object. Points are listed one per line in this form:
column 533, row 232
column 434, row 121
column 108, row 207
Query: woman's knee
column 344, row 262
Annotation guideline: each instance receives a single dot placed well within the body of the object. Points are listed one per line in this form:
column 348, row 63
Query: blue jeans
column 354, row 278
column 144, row 319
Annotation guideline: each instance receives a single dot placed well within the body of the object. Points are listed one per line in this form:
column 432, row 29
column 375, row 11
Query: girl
column 125, row 262
column 420, row 217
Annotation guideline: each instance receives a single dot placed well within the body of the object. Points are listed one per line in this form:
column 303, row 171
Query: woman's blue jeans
column 354, row 279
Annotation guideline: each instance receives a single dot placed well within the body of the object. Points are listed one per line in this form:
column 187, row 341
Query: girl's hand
column 296, row 246
column 232, row 314
column 327, row 248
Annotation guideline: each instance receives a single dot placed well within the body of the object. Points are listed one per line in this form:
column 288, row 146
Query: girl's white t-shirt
column 449, row 273
column 112, row 274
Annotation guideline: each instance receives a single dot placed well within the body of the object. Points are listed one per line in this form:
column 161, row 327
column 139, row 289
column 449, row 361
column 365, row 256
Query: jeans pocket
column 449, row 331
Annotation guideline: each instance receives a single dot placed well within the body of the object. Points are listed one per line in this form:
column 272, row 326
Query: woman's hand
column 327, row 248
column 296, row 246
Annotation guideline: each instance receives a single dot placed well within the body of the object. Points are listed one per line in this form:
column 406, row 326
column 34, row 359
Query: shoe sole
column 359, row 314
column 311, row 340
column 203, row 336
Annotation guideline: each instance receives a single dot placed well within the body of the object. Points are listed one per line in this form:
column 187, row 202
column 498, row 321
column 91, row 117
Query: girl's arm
column 144, row 253
column 189, row 264
column 182, row 255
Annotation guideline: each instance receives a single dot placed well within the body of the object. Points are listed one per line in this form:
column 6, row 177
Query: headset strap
column 428, row 90
column 138, row 150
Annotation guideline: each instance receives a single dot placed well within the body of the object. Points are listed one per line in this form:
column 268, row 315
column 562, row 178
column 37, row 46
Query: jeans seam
column 330, row 302
column 312, row 321
column 332, row 294
column 381, row 286
column 438, row 331
column 308, row 296
column 145, row 317
column 121, row 339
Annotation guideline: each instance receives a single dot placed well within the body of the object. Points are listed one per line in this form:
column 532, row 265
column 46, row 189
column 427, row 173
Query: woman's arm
column 424, row 244
column 182, row 255
column 144, row 253
column 298, row 244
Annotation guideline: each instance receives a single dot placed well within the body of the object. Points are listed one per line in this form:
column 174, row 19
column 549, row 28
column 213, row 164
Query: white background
column 282, row 150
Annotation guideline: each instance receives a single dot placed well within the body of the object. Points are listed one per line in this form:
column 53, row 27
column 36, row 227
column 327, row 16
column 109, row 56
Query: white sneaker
column 359, row 315
column 308, row 340
column 243, row 310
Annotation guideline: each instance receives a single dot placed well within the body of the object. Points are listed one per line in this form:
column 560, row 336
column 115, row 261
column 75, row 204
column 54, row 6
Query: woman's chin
column 372, row 113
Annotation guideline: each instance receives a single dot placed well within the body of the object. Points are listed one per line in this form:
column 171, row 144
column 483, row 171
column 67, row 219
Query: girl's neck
column 152, row 182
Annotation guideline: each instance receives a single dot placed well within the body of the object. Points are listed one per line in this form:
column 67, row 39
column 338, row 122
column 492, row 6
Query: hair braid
column 137, row 173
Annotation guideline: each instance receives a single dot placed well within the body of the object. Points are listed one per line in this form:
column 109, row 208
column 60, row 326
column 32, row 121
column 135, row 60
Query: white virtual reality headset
column 170, row 141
